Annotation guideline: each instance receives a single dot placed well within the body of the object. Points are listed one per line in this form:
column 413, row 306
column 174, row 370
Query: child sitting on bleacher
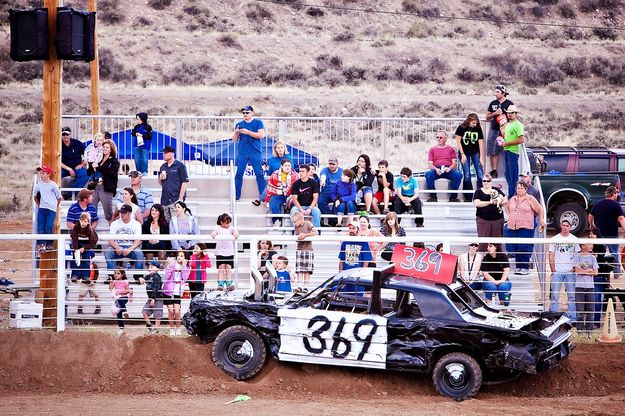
column 84, row 239
column 283, row 283
column 224, row 252
column 344, row 197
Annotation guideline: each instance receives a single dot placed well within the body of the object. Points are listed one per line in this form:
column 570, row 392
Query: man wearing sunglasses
column 248, row 133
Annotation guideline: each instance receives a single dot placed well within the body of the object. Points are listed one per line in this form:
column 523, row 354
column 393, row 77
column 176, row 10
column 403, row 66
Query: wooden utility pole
column 94, row 68
column 51, row 156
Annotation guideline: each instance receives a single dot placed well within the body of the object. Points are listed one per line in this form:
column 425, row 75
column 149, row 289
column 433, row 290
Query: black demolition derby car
column 376, row 318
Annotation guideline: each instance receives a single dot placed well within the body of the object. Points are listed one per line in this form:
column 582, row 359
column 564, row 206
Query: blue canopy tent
column 218, row 153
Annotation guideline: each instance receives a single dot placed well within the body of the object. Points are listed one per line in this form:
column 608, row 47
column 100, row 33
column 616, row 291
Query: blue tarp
column 217, row 153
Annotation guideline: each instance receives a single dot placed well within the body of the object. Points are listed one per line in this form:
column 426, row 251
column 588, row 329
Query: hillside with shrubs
column 561, row 59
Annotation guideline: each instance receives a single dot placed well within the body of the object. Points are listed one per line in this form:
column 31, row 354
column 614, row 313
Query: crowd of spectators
column 301, row 193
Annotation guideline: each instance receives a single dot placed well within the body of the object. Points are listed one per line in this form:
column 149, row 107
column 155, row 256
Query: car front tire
column 457, row 376
column 239, row 351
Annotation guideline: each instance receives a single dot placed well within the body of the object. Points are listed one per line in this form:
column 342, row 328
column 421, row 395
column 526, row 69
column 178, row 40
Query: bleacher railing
column 401, row 141
column 18, row 267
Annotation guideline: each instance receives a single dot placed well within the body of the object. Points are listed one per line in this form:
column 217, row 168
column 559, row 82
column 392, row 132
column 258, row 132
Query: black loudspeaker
column 29, row 34
column 75, row 32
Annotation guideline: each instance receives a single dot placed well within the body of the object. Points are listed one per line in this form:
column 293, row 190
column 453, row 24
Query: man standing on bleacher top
column 249, row 132
column 173, row 179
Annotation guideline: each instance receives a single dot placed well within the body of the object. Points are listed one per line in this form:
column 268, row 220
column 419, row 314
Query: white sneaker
column 178, row 332
column 277, row 224
column 120, row 331
column 172, row 332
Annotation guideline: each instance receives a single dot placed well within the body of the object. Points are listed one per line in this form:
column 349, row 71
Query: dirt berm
column 48, row 362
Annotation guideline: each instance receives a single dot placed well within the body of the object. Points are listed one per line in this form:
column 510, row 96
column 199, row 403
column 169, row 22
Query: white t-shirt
column 564, row 252
column 121, row 228
column 224, row 248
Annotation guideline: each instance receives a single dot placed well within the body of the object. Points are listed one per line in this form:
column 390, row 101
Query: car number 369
column 331, row 336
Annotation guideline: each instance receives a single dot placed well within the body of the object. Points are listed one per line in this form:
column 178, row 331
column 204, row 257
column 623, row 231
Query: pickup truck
column 570, row 196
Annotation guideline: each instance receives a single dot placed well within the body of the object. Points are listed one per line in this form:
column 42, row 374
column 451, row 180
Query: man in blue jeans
column 305, row 194
column 561, row 255
column 607, row 215
column 443, row 164
column 127, row 246
column 248, row 133
column 514, row 136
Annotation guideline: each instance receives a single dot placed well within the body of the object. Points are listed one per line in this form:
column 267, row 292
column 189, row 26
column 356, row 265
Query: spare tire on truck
column 574, row 213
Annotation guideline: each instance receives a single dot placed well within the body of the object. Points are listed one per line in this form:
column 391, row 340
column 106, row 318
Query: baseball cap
column 45, row 169
column 66, row 130
column 169, row 149
column 354, row 223
column 125, row 208
column 247, row 108
column 84, row 194
column 610, row 190
column 333, row 160
column 134, row 174
column 526, row 173
column 502, row 88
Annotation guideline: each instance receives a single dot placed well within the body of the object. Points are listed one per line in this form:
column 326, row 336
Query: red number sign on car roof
column 424, row 264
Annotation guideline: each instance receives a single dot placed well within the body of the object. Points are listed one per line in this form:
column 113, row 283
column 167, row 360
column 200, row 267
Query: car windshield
column 465, row 299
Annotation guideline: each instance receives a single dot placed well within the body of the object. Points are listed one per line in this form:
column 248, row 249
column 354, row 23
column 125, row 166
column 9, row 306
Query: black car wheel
column 574, row 213
column 457, row 376
column 239, row 351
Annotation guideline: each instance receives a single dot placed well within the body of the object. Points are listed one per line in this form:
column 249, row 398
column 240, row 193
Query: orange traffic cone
column 609, row 333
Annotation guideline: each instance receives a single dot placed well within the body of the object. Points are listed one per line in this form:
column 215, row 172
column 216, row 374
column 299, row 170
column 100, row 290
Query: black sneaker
column 433, row 198
column 6, row 282
column 454, row 199
column 493, row 173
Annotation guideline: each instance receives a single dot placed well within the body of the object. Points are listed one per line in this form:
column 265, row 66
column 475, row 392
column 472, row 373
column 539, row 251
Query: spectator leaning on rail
column 496, row 114
column 173, row 179
column 443, row 164
column 47, row 196
column 304, row 196
column 329, row 177
column 561, row 253
column 515, row 135
column 145, row 199
column 470, row 143
column 248, row 133
column 85, row 197
column 607, row 215
column 84, row 239
column 125, row 227
column 390, row 228
column 73, row 172
column 142, row 141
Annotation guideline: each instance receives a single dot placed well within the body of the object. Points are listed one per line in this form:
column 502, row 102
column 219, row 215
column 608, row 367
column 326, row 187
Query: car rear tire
column 575, row 213
column 457, row 376
column 239, row 351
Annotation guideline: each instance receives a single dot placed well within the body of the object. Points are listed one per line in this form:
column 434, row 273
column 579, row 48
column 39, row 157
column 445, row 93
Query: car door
column 337, row 333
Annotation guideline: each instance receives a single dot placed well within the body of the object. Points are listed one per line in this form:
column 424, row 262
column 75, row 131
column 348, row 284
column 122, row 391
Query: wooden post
column 51, row 156
column 94, row 68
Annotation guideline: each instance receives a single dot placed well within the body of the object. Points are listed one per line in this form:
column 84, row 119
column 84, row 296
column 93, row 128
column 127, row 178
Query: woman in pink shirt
column 523, row 210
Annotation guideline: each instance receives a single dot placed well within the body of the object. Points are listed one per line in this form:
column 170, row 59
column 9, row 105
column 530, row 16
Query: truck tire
column 239, row 351
column 457, row 376
column 575, row 213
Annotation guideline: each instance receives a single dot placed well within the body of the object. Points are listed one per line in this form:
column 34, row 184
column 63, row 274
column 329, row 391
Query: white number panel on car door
column 330, row 337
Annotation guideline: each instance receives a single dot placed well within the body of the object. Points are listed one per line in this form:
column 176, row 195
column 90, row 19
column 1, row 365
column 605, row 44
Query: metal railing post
column 282, row 130
column 60, row 283
column 179, row 138
column 383, row 135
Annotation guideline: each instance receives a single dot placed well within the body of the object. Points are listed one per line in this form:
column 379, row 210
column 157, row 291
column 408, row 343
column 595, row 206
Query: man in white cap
column 496, row 114
column 515, row 135
column 354, row 253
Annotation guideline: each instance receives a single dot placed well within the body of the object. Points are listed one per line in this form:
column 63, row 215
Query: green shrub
column 108, row 12
column 159, row 4
column 229, row 41
column 187, row 73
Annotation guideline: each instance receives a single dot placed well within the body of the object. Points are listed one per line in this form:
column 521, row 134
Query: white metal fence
column 20, row 266
column 401, row 141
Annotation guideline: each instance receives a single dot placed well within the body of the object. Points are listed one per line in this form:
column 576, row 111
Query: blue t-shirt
column 331, row 180
column 73, row 214
column 283, row 283
column 407, row 188
column 248, row 144
column 354, row 253
column 275, row 162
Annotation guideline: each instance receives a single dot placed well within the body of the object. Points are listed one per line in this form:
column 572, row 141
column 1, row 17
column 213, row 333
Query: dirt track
column 45, row 372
